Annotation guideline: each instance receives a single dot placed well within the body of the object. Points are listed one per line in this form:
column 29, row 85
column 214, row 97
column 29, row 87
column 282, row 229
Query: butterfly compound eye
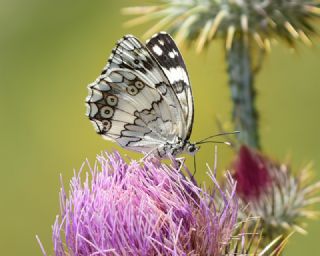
column 192, row 149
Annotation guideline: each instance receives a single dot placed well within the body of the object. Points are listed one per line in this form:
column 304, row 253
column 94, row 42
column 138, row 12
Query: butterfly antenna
column 217, row 135
column 214, row 142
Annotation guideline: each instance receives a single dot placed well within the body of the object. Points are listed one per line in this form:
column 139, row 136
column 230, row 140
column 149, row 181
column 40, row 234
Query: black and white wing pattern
column 166, row 52
column 138, row 103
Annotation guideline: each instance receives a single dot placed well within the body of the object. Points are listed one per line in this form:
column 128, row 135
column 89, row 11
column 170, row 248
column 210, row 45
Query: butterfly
column 142, row 99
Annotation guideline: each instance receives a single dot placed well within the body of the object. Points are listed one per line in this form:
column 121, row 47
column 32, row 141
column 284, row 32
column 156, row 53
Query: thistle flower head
column 252, row 174
column 203, row 20
column 148, row 209
column 274, row 193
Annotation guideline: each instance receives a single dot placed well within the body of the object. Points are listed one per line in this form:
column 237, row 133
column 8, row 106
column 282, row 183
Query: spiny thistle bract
column 203, row 20
column 150, row 209
column 282, row 199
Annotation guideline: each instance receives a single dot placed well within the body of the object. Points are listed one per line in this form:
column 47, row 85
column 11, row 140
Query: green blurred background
column 51, row 50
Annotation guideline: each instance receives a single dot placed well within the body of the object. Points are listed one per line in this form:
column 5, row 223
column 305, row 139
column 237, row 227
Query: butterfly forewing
column 134, row 103
column 167, row 54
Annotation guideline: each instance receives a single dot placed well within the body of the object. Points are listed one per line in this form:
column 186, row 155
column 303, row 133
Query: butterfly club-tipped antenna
column 207, row 139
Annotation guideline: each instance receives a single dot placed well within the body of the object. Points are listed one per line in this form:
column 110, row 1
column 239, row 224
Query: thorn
column 217, row 21
column 291, row 29
column 244, row 23
column 183, row 31
column 203, row 36
column 305, row 39
column 139, row 10
column 312, row 9
column 258, row 39
column 267, row 45
column 230, row 36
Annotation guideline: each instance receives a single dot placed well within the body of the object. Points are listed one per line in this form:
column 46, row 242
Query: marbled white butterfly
column 143, row 99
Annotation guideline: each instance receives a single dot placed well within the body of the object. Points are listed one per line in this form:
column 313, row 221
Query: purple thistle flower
column 251, row 174
column 147, row 209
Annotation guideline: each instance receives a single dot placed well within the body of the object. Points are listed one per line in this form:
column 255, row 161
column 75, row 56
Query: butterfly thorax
column 177, row 147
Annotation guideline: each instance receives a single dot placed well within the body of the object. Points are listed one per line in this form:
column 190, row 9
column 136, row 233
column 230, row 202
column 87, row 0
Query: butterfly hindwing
column 131, row 101
column 167, row 54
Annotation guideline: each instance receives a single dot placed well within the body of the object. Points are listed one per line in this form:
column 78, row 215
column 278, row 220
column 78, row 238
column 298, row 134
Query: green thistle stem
column 241, row 81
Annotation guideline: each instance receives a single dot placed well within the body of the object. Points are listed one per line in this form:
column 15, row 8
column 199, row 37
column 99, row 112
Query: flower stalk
column 241, row 82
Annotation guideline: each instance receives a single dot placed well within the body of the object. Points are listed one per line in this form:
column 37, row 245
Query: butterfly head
column 191, row 148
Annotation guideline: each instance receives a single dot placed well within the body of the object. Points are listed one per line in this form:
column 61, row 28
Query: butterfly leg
column 194, row 165
column 146, row 156
column 178, row 163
